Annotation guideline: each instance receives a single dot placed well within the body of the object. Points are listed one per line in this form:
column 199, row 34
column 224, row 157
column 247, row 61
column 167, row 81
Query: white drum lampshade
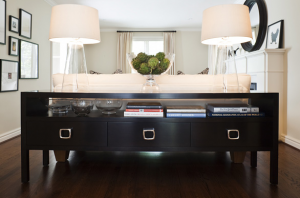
column 71, row 22
column 226, row 25
column 76, row 25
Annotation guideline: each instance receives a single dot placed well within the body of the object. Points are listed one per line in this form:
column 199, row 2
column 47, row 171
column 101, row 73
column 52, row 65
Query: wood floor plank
column 148, row 174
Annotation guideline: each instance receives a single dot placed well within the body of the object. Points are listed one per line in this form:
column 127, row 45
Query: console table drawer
column 82, row 133
column 130, row 134
column 216, row 134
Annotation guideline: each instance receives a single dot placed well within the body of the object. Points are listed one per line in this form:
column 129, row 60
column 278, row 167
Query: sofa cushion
column 167, row 83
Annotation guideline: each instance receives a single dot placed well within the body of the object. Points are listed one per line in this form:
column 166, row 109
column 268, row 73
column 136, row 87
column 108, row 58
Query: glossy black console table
column 98, row 132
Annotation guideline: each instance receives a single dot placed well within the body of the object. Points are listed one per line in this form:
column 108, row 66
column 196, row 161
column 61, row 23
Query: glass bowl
column 59, row 106
column 109, row 106
column 150, row 86
column 131, row 56
column 82, row 107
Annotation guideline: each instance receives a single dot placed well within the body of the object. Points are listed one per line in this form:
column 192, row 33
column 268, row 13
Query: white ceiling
column 150, row 14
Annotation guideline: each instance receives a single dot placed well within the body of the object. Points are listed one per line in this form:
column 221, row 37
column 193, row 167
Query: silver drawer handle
column 149, row 130
column 233, row 130
column 70, row 133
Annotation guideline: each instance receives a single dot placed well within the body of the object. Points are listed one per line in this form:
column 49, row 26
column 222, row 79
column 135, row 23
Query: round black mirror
column 259, row 24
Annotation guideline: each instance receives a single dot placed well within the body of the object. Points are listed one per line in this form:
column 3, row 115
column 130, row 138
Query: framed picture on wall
column 28, row 60
column 25, row 24
column 13, row 48
column 2, row 22
column 13, row 24
column 275, row 35
column 9, row 73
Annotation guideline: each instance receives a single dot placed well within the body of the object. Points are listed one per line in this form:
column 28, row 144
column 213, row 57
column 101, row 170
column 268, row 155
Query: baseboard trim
column 10, row 134
column 291, row 141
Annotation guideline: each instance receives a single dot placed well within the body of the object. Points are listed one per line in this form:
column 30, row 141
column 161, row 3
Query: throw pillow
column 118, row 71
column 180, row 73
column 204, row 71
column 94, row 72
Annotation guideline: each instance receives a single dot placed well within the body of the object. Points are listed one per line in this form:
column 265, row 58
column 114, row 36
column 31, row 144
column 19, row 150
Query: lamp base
column 229, row 83
column 75, row 76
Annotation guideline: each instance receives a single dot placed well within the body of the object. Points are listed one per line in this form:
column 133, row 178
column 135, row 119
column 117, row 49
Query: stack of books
column 233, row 110
column 185, row 112
column 144, row 109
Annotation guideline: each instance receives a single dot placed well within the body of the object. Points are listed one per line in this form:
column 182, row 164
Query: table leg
column 24, row 165
column 237, row 157
column 254, row 159
column 45, row 157
column 274, row 166
column 61, row 155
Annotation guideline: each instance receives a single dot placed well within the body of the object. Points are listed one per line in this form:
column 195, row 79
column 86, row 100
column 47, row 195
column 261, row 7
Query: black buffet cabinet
column 40, row 130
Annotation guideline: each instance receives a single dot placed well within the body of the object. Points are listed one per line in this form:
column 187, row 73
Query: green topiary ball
column 144, row 69
column 164, row 64
column 148, row 58
column 153, row 63
column 136, row 63
column 160, row 56
column 157, row 70
column 142, row 57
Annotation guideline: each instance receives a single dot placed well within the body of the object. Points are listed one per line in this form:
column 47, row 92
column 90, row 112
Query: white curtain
column 169, row 48
column 212, row 58
column 124, row 47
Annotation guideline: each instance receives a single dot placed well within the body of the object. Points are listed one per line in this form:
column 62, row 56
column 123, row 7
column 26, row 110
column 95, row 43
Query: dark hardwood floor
column 143, row 174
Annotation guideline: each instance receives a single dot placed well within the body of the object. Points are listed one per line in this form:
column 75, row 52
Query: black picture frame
column 10, row 28
column 279, row 45
column 21, row 59
column 1, row 76
column 263, row 23
column 10, row 47
column 3, row 23
column 21, row 24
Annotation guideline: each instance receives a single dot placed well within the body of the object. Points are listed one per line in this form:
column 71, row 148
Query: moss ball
column 144, row 69
column 160, row 56
column 164, row 64
column 136, row 63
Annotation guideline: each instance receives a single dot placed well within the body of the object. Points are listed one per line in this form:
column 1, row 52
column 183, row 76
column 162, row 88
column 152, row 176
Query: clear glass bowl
column 59, row 106
column 150, row 86
column 108, row 106
column 82, row 107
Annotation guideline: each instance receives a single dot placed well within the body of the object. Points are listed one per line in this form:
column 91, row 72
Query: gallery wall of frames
column 18, row 45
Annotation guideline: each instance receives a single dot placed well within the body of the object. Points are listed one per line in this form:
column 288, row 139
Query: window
column 148, row 45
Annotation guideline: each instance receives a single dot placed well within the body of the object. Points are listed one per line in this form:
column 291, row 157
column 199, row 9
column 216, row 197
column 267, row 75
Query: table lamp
column 226, row 25
column 75, row 25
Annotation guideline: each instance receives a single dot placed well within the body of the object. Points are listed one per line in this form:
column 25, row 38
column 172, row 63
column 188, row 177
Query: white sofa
column 168, row 83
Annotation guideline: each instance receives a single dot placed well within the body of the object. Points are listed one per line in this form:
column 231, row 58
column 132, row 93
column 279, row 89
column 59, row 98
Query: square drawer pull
column 148, row 130
column 237, row 136
column 62, row 137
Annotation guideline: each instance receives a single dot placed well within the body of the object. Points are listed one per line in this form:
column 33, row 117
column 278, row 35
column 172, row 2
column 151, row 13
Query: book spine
column 144, row 107
column 144, row 110
column 186, row 115
column 213, row 114
column 143, row 114
column 254, row 109
column 233, row 109
column 186, row 110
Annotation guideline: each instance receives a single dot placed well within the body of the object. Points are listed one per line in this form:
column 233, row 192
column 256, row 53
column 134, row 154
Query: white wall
column 191, row 55
column 102, row 57
column 289, row 12
column 10, row 101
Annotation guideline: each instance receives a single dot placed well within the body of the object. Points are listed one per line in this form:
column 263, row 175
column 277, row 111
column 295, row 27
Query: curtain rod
column 146, row 31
